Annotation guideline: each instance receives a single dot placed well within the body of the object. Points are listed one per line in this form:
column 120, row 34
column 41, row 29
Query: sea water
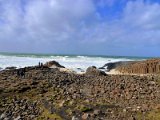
column 73, row 62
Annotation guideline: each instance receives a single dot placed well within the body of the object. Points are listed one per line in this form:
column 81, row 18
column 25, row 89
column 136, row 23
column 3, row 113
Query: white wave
column 72, row 62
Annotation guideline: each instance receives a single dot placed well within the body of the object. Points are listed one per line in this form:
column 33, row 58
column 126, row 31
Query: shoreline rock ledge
column 150, row 66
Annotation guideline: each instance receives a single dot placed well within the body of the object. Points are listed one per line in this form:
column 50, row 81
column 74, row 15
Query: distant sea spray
column 73, row 62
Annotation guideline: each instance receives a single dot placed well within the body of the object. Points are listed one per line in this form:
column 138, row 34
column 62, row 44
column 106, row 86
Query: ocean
column 74, row 62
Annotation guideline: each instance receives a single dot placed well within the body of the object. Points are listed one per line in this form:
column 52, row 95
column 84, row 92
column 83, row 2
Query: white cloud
column 143, row 15
column 138, row 25
column 69, row 25
column 42, row 22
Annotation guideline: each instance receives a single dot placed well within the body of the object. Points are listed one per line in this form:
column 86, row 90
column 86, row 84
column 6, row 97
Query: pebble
column 75, row 118
column 3, row 115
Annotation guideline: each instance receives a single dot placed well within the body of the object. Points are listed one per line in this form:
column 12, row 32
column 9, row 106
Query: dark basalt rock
column 20, row 110
column 94, row 71
column 53, row 64
column 24, row 89
column 113, row 65
column 151, row 66
column 10, row 68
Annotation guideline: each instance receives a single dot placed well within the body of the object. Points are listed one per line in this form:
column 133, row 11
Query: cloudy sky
column 99, row 27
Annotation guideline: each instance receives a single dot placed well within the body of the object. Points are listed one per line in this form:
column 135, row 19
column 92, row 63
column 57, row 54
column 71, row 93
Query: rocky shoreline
column 46, row 93
column 151, row 66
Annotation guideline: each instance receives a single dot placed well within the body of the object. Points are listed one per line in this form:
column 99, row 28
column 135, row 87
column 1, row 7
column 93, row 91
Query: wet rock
column 53, row 64
column 80, row 70
column 10, row 68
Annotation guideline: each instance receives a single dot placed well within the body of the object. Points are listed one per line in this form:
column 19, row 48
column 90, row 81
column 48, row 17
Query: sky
column 91, row 27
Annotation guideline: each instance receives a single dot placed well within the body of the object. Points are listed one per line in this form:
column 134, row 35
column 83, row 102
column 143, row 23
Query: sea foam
column 71, row 62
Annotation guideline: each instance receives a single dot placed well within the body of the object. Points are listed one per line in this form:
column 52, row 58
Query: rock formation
column 53, row 64
column 93, row 71
column 47, row 93
column 113, row 65
column 151, row 66
column 10, row 68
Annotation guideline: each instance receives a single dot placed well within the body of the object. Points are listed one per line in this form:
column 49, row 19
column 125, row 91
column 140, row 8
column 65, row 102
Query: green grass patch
column 46, row 115
column 86, row 109
column 153, row 115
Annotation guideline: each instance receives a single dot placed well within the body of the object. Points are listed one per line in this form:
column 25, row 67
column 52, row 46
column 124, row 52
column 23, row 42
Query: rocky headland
column 46, row 93
column 151, row 66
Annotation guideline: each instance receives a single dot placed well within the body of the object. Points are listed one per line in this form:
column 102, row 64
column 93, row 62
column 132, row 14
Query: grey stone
column 17, row 118
column 3, row 115
column 75, row 118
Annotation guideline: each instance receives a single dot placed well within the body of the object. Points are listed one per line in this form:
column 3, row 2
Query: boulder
column 94, row 71
column 75, row 118
column 3, row 115
column 53, row 64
